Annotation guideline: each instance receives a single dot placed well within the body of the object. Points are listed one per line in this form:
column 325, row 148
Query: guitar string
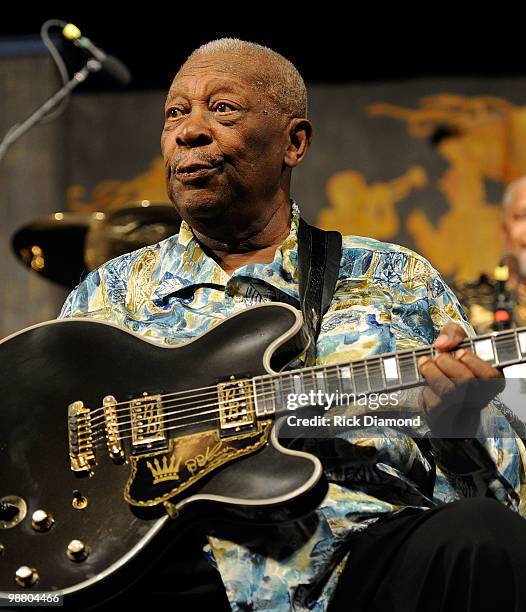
column 402, row 356
column 290, row 385
column 100, row 442
column 331, row 373
column 408, row 354
column 191, row 393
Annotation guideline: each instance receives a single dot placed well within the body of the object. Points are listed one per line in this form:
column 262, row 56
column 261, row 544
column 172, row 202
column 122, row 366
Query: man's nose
column 195, row 130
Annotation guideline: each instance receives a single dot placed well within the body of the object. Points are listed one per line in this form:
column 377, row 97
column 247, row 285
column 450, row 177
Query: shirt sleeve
column 99, row 296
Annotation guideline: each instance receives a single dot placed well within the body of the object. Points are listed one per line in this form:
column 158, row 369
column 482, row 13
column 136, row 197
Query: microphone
column 113, row 66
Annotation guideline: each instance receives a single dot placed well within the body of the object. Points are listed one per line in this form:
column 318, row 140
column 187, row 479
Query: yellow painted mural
column 479, row 138
column 357, row 208
column 112, row 194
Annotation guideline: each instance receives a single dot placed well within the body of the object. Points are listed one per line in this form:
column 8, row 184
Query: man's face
column 223, row 142
column 514, row 227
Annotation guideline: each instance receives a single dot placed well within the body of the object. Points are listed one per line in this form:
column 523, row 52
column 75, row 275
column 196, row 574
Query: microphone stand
column 19, row 129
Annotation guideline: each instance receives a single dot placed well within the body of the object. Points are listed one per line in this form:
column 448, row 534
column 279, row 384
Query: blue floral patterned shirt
column 387, row 298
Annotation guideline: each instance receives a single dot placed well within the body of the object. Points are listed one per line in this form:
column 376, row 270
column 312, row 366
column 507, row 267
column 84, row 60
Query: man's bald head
column 271, row 73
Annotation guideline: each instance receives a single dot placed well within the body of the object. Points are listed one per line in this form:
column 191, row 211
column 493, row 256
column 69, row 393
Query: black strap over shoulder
column 319, row 254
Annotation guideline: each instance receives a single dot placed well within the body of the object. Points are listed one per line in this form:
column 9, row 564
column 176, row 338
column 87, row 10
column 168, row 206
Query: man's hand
column 455, row 396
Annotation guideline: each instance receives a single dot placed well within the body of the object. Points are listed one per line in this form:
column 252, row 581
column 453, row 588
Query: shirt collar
column 194, row 267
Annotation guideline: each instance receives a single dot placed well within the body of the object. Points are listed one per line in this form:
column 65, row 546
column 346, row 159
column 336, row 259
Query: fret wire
column 336, row 377
column 311, row 380
column 356, row 373
column 517, row 344
column 495, row 354
column 280, row 389
column 322, row 379
column 268, row 392
column 255, row 392
column 344, row 380
column 353, row 379
column 418, row 377
column 290, row 383
column 273, row 394
column 367, row 375
column 382, row 373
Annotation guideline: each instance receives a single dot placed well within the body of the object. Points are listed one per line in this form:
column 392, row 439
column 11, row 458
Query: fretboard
column 378, row 373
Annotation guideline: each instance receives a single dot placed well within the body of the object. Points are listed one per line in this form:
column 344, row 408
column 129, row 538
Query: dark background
column 326, row 44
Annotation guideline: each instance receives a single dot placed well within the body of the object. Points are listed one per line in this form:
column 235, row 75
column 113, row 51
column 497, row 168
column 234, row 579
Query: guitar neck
column 275, row 394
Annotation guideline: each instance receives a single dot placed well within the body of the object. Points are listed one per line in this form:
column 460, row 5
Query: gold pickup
column 147, row 422
column 113, row 437
column 236, row 405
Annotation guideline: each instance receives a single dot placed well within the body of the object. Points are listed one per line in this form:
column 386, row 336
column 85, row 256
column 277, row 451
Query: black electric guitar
column 106, row 437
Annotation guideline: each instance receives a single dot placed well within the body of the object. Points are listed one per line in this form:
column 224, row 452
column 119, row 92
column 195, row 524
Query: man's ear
column 300, row 138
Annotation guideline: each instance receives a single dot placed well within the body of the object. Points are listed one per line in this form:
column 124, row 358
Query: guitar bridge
column 81, row 449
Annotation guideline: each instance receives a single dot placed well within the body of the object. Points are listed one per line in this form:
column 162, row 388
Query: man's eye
column 174, row 113
column 223, row 107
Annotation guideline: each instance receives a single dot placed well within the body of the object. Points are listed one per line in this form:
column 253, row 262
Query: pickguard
column 158, row 476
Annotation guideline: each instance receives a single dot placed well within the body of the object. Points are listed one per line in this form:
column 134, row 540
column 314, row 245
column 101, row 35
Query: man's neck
column 258, row 246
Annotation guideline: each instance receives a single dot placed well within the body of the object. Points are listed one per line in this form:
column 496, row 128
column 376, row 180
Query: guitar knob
column 79, row 501
column 8, row 511
column 77, row 551
column 42, row 520
column 26, row 576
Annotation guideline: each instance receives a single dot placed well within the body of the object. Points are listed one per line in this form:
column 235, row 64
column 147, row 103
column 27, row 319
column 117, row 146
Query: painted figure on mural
column 481, row 140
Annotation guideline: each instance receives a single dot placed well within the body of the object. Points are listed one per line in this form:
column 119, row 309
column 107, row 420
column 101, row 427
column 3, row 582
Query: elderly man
column 480, row 299
column 390, row 534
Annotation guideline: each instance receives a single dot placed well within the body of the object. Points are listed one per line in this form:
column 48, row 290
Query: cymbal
column 64, row 246
column 127, row 228
column 53, row 246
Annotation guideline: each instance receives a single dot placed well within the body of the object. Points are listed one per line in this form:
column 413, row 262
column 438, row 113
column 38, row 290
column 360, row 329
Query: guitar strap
column 319, row 255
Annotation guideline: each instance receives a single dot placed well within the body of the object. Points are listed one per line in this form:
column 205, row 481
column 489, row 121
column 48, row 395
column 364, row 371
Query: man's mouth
column 187, row 173
column 194, row 167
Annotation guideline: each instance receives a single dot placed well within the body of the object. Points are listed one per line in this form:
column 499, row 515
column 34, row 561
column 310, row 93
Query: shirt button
column 238, row 298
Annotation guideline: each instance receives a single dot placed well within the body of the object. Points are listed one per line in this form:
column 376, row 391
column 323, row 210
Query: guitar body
column 118, row 508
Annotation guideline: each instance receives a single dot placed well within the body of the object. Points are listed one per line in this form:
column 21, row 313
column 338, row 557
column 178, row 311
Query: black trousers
column 467, row 556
